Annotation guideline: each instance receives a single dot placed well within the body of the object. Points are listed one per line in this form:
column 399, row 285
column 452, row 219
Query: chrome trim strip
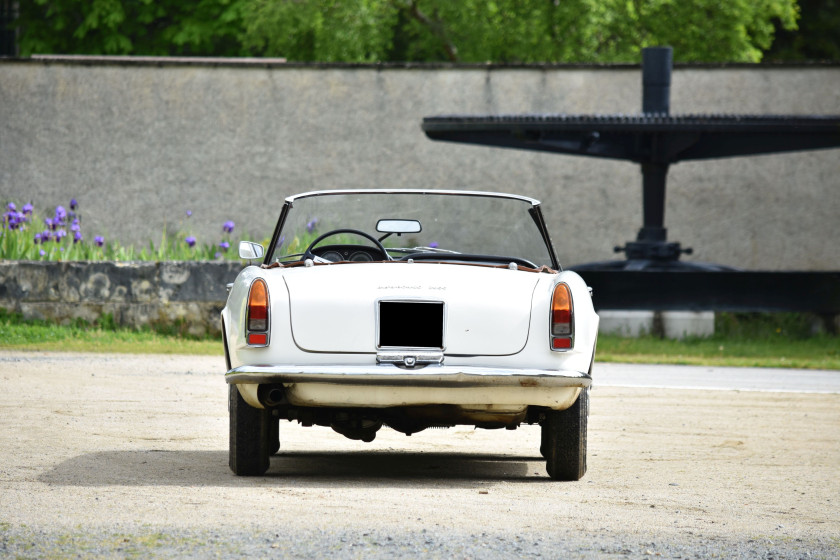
column 532, row 201
column 409, row 358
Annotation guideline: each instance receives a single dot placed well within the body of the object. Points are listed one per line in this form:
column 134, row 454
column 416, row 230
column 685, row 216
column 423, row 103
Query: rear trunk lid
column 361, row 308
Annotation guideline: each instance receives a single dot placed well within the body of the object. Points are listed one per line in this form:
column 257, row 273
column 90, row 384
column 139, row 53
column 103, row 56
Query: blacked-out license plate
column 411, row 324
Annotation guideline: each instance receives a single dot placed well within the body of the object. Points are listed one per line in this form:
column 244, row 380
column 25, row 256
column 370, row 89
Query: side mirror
column 250, row 251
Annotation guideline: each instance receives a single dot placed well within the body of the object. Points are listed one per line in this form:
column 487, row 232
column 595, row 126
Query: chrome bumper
column 391, row 375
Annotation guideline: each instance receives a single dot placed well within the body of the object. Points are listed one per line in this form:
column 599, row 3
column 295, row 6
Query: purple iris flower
column 38, row 238
column 189, row 213
column 60, row 214
column 311, row 224
column 99, row 240
column 218, row 255
column 73, row 204
column 59, row 235
column 228, row 227
column 190, row 241
column 77, row 237
column 42, row 252
column 14, row 219
column 224, row 245
column 433, row 245
column 51, row 224
column 27, row 208
column 11, row 207
column 76, row 226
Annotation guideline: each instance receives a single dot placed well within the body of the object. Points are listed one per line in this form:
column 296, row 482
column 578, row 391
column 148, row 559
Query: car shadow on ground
column 156, row 467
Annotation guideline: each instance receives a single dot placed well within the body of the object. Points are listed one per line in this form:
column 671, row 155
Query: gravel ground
column 107, row 455
column 343, row 544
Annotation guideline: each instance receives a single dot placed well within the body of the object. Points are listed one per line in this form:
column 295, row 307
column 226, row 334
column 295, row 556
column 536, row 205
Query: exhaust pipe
column 271, row 395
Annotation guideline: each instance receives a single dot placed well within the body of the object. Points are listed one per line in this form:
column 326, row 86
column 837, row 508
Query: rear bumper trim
column 391, row 375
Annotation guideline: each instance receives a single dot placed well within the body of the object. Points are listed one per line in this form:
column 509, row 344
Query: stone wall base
column 183, row 297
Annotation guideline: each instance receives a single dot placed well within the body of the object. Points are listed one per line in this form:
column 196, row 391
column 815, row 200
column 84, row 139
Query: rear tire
column 273, row 435
column 563, row 441
column 249, row 436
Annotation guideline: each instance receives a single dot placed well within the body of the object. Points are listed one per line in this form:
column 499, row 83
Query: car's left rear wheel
column 250, row 431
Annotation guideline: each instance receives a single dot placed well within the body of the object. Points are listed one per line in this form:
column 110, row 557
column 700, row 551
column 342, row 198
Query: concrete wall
column 140, row 143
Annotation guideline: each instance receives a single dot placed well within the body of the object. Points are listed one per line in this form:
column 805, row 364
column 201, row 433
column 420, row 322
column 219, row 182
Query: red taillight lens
column 257, row 339
column 257, row 314
column 561, row 318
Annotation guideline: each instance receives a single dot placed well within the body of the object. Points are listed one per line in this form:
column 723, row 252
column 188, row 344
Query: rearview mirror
column 398, row 226
column 248, row 250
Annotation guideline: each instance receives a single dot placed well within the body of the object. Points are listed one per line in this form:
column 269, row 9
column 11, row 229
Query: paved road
column 114, row 456
column 717, row 378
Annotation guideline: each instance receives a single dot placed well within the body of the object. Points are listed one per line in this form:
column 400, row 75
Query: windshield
column 450, row 222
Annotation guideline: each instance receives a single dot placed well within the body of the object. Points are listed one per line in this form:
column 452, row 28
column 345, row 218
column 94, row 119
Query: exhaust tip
column 272, row 395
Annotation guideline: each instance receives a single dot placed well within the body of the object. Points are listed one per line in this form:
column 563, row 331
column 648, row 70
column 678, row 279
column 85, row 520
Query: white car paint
column 346, row 321
column 452, row 324
column 510, row 335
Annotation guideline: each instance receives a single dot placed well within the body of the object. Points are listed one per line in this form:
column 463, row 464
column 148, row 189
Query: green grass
column 817, row 352
column 740, row 340
column 743, row 340
column 17, row 334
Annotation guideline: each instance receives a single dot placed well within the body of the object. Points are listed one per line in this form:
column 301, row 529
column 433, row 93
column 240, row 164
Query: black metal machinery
column 652, row 277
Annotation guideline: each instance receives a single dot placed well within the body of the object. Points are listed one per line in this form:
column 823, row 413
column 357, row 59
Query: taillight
column 562, row 315
column 256, row 321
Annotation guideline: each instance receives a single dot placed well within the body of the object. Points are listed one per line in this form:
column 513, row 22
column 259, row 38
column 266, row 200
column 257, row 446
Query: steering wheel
column 309, row 255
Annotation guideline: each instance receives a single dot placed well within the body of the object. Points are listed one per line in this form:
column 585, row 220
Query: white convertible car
column 409, row 309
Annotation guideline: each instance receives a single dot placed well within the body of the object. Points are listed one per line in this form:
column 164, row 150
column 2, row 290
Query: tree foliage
column 818, row 36
column 596, row 31
column 139, row 27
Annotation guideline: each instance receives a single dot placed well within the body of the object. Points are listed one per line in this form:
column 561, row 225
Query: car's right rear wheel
column 249, row 436
column 563, row 441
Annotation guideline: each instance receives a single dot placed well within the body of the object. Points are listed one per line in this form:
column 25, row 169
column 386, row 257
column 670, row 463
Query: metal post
column 8, row 34
column 653, row 200
column 656, row 99
column 656, row 79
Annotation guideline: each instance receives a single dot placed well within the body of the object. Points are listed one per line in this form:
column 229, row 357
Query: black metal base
column 698, row 289
column 652, row 265
column 658, row 251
